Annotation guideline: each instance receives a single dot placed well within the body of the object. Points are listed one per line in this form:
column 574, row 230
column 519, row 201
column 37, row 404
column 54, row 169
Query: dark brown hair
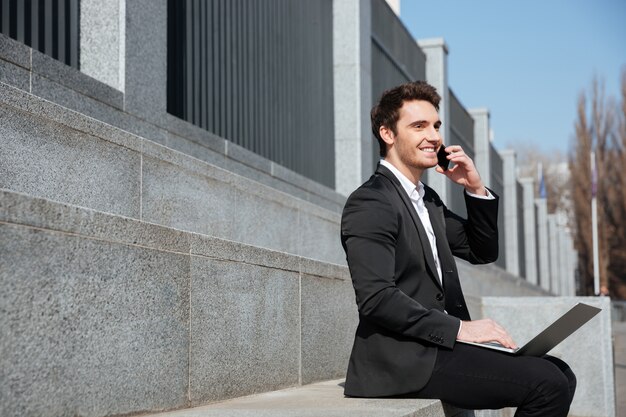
column 387, row 111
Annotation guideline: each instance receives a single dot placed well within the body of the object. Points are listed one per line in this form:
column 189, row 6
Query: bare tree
column 600, row 127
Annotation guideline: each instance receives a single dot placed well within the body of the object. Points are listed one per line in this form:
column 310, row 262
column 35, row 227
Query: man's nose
column 433, row 135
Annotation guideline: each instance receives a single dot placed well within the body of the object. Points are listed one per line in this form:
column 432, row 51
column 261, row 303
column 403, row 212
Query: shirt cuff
column 460, row 327
column 489, row 196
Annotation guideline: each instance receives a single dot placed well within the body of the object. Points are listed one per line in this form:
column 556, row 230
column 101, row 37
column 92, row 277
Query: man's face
column 417, row 136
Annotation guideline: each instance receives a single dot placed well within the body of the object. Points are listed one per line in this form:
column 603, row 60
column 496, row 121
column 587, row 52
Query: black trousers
column 476, row 378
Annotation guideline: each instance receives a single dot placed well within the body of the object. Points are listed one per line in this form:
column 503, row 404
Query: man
column 400, row 240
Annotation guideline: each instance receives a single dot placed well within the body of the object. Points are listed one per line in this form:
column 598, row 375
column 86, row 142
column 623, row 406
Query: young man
column 400, row 240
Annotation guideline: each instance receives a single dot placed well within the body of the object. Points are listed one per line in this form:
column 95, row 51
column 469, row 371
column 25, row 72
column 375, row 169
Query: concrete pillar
column 146, row 59
column 570, row 262
column 566, row 274
column 543, row 248
column 530, row 239
column 554, row 254
column 352, row 89
column 482, row 159
column 436, row 52
column 509, row 205
column 102, row 46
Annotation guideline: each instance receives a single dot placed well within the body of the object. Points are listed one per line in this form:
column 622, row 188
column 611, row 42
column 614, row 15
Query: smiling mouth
column 427, row 149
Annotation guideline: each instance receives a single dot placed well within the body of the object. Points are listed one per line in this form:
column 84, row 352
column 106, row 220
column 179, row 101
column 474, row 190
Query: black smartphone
column 442, row 161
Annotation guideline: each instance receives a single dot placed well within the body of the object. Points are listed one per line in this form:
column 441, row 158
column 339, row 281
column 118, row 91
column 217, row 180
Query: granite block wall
column 105, row 315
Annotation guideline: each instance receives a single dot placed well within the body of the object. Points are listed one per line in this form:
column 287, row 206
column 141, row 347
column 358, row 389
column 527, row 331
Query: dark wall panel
column 49, row 26
column 258, row 73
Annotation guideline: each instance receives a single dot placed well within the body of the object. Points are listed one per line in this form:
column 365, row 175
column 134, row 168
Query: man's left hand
column 463, row 172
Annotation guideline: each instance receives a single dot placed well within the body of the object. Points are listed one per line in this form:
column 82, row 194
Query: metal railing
column 258, row 73
column 49, row 26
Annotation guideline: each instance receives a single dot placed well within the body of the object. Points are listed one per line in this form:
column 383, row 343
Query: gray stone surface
column 102, row 40
column 45, row 214
column 146, row 48
column 436, row 52
column 619, row 340
column 490, row 281
column 509, row 206
column 72, row 99
column 329, row 320
column 263, row 217
column 481, row 143
column 588, row 351
column 300, row 181
column 530, row 233
column 312, row 267
column 247, row 157
column 543, row 243
column 89, row 327
column 14, row 75
column 245, row 329
column 67, row 76
column 187, row 200
column 194, row 133
column 318, row 237
column 15, row 52
column 321, row 399
column 211, row 247
column 191, row 148
column 181, row 192
column 352, row 92
column 38, row 107
column 46, row 159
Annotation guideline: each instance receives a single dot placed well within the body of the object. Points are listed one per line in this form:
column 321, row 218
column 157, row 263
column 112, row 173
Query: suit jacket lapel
column 421, row 232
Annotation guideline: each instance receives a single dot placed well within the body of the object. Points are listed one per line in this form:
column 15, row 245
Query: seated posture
column 400, row 241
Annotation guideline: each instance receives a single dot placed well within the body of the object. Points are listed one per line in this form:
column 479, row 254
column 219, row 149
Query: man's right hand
column 485, row 330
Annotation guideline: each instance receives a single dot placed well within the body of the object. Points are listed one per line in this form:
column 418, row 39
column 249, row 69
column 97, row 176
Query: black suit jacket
column 401, row 302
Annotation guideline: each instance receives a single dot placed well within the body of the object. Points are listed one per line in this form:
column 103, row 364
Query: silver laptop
column 554, row 334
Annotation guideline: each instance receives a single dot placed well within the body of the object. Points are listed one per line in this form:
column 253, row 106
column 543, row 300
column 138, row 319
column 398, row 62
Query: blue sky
column 527, row 61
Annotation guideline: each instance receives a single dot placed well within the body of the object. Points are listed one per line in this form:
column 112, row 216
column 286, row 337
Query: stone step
column 55, row 153
column 323, row 399
column 106, row 315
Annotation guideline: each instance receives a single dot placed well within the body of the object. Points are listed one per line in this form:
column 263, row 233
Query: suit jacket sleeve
column 369, row 231
column 474, row 239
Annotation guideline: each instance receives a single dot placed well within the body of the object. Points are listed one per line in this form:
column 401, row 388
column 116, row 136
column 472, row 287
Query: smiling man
column 400, row 241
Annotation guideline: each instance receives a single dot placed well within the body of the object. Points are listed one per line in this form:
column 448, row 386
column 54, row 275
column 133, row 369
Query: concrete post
column 565, row 273
column 511, row 238
column 352, row 91
column 102, row 46
column 554, row 254
column 530, row 239
column 543, row 248
column 481, row 143
column 146, row 59
column 436, row 52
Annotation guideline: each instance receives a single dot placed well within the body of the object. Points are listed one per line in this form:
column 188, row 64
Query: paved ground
column 619, row 345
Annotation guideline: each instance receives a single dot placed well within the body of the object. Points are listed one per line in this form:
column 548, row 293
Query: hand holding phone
column 442, row 159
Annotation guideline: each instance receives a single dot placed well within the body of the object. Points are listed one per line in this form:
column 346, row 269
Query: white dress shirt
column 416, row 195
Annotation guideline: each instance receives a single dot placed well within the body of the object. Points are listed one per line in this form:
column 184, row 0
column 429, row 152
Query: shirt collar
column 406, row 183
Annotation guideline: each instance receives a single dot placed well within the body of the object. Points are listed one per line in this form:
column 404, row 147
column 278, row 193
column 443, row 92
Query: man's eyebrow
column 418, row 122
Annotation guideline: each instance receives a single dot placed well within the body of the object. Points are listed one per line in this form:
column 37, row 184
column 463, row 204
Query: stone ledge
column 320, row 399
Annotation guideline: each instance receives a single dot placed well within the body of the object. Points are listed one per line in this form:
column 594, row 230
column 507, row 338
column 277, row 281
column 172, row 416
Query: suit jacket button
column 439, row 296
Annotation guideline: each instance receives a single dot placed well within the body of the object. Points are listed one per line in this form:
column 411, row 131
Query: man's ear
column 387, row 135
